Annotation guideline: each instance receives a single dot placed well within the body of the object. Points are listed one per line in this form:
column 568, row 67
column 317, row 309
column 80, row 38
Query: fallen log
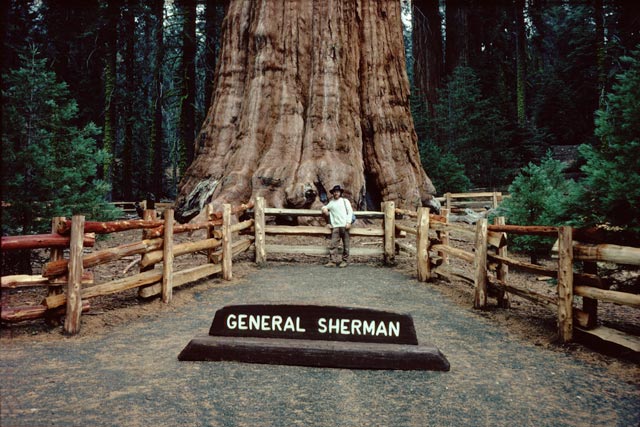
column 32, row 312
column 58, row 267
column 154, row 257
column 109, row 227
column 39, row 241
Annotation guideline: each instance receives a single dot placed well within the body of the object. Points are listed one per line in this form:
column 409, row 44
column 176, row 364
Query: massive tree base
column 308, row 94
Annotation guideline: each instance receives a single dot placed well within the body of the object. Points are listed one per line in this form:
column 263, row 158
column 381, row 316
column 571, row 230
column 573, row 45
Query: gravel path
column 129, row 375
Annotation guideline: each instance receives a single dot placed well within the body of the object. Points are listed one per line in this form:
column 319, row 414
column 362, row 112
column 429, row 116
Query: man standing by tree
column 340, row 215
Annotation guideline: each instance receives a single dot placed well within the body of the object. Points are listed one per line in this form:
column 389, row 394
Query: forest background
column 102, row 100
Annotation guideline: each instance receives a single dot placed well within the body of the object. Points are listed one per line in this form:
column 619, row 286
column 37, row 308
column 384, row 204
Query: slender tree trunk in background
column 521, row 61
column 110, row 78
column 308, row 95
column 427, row 49
column 188, row 83
column 157, row 130
column 598, row 14
column 130, row 85
column 457, row 27
column 535, row 11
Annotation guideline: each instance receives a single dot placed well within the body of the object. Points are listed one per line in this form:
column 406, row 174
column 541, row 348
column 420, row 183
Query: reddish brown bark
column 308, row 94
column 35, row 241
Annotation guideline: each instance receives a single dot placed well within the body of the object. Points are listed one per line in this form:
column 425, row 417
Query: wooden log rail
column 456, row 201
column 569, row 284
column 387, row 232
column 73, row 273
column 41, row 241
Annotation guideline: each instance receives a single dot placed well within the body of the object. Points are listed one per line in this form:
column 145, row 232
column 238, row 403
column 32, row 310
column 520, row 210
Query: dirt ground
column 125, row 323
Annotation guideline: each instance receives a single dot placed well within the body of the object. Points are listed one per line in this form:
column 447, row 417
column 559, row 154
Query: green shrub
column 538, row 196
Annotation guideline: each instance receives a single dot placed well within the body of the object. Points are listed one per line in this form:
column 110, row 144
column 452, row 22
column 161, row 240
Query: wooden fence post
column 227, row 251
column 494, row 200
column 147, row 215
column 74, row 301
column 422, row 244
column 259, row 224
column 590, row 305
column 389, row 209
column 210, row 231
column 480, row 265
column 444, row 236
column 447, row 201
column 54, row 255
column 565, row 284
column 167, row 257
column 502, row 270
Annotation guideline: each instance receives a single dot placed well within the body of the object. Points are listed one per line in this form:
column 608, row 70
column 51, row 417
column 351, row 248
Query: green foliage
column 444, row 168
column 611, row 188
column 49, row 164
column 539, row 195
column 472, row 126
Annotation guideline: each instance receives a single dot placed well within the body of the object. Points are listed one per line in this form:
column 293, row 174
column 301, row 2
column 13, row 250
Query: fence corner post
column 227, row 251
column 74, row 300
column 480, row 265
column 389, row 209
column 565, row 284
column 422, row 245
column 167, row 257
column 259, row 224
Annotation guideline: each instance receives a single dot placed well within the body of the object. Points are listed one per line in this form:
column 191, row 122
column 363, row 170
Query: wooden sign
column 314, row 322
column 314, row 335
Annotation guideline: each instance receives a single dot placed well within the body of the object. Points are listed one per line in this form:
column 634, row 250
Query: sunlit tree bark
column 308, row 94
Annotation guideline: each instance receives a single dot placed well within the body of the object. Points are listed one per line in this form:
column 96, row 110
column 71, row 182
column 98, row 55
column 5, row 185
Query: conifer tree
column 611, row 189
column 49, row 164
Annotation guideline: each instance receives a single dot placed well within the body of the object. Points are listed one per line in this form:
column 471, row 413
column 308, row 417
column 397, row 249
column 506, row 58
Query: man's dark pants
column 337, row 234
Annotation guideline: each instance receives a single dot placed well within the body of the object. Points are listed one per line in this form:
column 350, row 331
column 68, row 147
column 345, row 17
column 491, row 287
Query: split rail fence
column 157, row 246
column 428, row 237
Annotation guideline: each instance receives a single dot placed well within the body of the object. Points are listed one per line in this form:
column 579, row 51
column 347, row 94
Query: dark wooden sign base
column 319, row 336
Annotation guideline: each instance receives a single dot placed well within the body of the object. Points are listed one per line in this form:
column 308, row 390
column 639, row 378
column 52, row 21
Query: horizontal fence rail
column 429, row 238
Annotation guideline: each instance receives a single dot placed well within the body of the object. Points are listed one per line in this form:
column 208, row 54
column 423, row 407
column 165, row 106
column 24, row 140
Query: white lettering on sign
column 263, row 322
column 358, row 327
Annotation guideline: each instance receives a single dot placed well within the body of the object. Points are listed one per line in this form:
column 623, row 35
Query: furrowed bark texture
column 308, row 94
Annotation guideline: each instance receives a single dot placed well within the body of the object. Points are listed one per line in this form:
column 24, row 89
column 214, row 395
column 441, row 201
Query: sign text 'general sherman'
column 298, row 321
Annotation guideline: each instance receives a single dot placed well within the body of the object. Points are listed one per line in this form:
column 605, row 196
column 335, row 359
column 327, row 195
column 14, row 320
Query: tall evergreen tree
column 612, row 182
column 53, row 163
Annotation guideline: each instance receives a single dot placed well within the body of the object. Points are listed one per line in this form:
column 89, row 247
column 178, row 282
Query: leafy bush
column 49, row 164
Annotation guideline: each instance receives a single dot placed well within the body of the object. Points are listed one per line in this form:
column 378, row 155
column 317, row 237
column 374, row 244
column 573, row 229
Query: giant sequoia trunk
column 308, row 94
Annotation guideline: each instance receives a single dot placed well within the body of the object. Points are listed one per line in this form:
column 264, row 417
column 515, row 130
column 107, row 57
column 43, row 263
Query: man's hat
column 337, row 188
